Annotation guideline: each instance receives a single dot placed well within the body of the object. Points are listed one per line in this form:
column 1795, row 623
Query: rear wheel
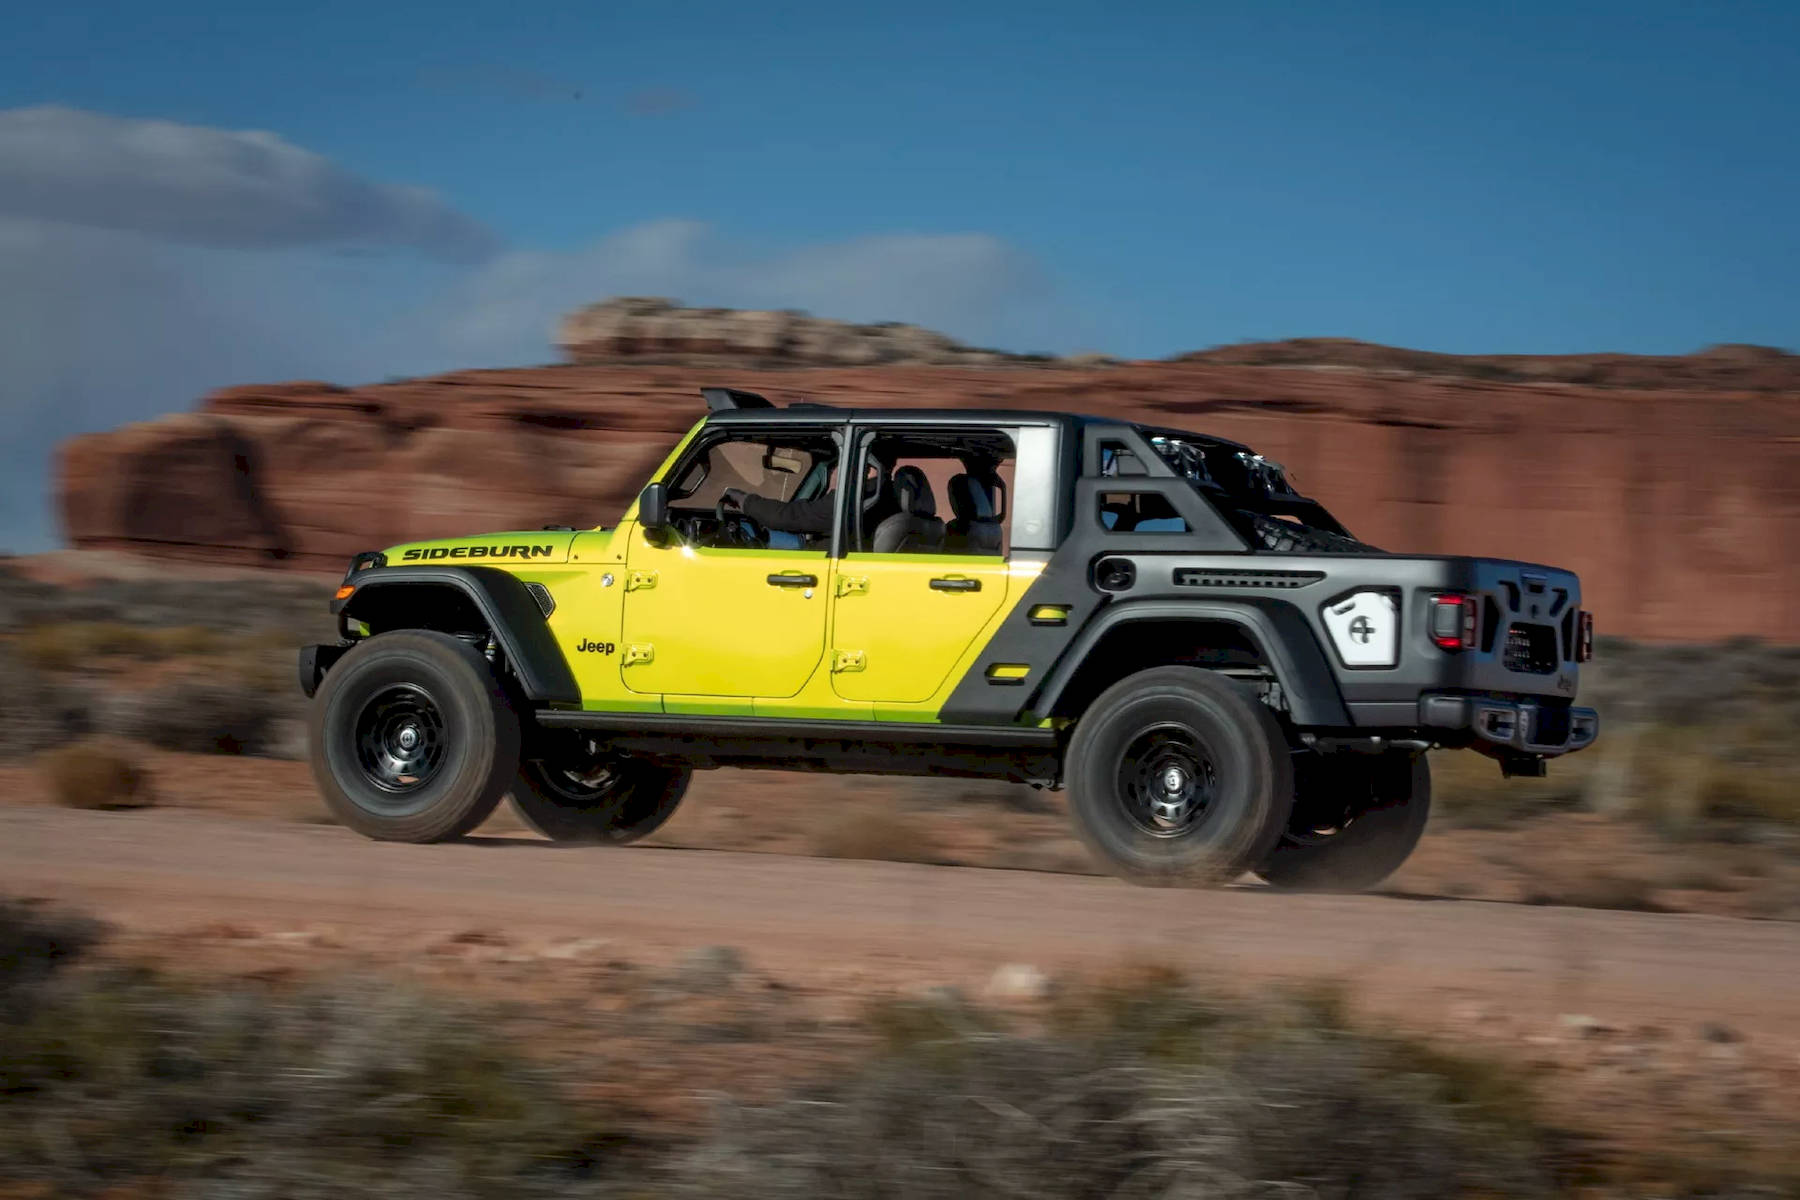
column 412, row 738
column 1179, row 776
column 573, row 793
column 1356, row 818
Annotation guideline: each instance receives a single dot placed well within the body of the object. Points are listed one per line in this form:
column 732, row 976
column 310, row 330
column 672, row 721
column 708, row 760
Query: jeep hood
column 497, row 549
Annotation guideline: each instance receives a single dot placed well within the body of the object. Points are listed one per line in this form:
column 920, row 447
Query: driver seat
column 916, row 526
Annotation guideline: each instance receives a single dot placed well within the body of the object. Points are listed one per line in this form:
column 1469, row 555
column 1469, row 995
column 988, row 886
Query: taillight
column 1454, row 620
column 1584, row 637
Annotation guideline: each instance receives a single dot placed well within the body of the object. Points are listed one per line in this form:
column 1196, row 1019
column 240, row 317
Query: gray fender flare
column 1278, row 631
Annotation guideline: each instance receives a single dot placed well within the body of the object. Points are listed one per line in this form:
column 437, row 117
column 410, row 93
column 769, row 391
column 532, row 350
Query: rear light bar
column 1454, row 620
column 1584, row 636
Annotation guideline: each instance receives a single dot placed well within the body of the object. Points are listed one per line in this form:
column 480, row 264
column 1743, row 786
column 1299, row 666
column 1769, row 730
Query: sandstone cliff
column 1679, row 504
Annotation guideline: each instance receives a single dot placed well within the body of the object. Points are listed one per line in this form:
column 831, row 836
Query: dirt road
column 887, row 924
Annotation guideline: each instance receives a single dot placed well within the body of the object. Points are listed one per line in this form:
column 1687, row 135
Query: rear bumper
column 1522, row 725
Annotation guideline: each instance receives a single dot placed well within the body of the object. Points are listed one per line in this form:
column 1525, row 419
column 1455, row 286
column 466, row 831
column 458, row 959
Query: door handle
column 956, row 583
column 794, row 580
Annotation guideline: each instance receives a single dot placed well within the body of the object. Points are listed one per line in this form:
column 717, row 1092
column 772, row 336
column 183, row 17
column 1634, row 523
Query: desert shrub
column 71, row 645
column 36, row 710
column 97, row 773
column 34, row 942
column 351, row 1088
column 1685, row 781
column 877, row 834
column 23, row 601
column 1467, row 789
column 1216, row 1100
column 215, row 715
column 234, row 604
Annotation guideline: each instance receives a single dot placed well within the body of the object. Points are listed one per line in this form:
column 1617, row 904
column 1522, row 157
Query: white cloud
column 970, row 285
column 110, row 312
column 214, row 187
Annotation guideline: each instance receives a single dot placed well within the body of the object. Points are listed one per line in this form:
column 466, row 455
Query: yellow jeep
column 1224, row 677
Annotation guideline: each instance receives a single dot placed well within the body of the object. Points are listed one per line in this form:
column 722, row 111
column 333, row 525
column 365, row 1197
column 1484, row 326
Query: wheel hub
column 1175, row 803
column 1167, row 780
column 400, row 740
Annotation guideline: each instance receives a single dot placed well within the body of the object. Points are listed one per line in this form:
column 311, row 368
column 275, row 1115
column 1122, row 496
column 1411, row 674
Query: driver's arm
column 791, row 516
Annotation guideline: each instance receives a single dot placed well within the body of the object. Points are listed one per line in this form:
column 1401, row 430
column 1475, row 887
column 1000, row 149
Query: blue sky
column 1140, row 179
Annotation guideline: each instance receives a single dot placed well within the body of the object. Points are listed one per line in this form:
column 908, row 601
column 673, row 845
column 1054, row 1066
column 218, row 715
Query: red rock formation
column 1679, row 505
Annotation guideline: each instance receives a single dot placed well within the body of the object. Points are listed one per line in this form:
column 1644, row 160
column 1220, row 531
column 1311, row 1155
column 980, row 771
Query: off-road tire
column 1388, row 799
column 1211, row 720
column 350, row 719
column 634, row 805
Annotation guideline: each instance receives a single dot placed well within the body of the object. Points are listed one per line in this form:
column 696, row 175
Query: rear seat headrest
column 914, row 492
column 971, row 499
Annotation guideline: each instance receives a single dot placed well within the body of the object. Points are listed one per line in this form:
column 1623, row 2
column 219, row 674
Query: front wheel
column 1355, row 820
column 572, row 794
column 1179, row 776
column 412, row 739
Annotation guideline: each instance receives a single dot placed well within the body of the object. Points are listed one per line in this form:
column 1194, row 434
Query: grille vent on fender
column 1201, row 577
column 541, row 594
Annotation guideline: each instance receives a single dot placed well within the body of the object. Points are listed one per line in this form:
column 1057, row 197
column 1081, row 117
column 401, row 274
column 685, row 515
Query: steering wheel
column 737, row 528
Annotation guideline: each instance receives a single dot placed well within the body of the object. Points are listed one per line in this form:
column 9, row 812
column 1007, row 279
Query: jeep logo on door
column 520, row 551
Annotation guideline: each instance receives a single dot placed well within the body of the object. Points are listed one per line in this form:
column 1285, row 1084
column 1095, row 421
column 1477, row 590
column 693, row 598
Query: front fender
column 390, row 595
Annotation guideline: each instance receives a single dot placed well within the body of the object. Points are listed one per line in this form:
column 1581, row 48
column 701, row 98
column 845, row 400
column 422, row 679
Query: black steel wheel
column 1179, row 776
column 1167, row 781
column 400, row 741
column 412, row 738
column 1356, row 819
column 570, row 790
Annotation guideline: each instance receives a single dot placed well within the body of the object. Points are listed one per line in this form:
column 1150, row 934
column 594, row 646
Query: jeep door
column 925, row 576
column 710, row 609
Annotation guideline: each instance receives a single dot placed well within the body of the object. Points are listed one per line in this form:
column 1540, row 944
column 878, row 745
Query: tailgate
column 1530, row 622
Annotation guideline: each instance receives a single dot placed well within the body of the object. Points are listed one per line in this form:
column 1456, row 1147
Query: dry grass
column 112, row 1081
column 1684, row 783
column 126, row 1082
column 99, row 773
column 1601, row 887
column 878, row 834
column 72, row 645
column 1139, row 1086
column 217, row 715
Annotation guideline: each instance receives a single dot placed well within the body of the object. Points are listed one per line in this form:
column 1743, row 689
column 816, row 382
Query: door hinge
column 638, row 580
column 852, row 585
column 847, row 660
column 639, row 652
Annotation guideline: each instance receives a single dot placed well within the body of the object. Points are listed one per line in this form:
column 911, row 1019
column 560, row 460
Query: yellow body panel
column 706, row 621
column 1019, row 580
column 588, row 620
column 652, row 626
column 895, row 638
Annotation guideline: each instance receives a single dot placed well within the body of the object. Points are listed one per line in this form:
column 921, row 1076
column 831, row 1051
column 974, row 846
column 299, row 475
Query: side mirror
column 653, row 507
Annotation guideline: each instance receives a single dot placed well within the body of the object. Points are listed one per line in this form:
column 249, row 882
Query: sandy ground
column 861, row 925
column 1653, row 1030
